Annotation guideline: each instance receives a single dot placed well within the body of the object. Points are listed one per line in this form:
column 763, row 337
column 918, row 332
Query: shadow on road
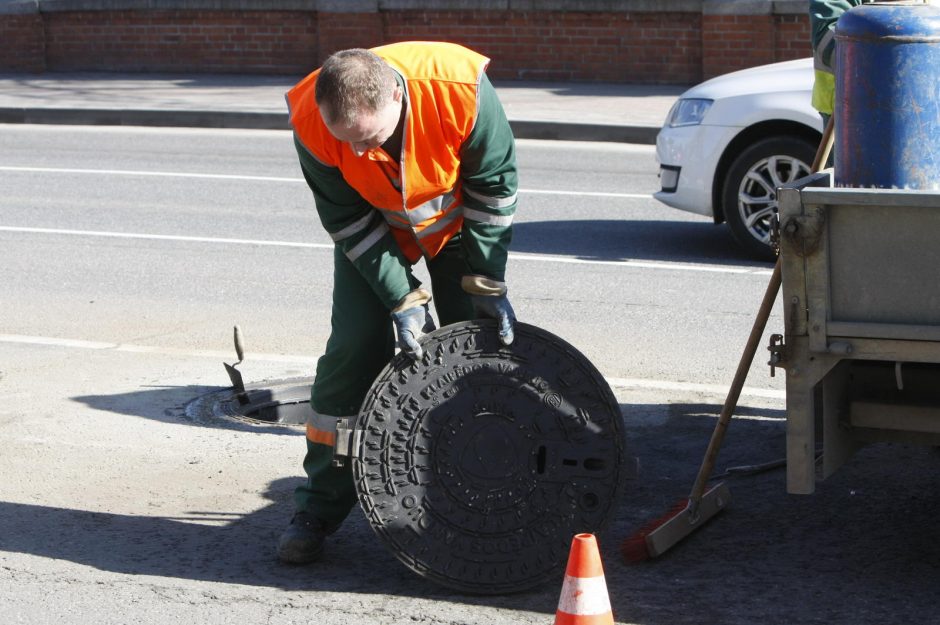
column 862, row 550
column 192, row 405
column 675, row 241
column 232, row 547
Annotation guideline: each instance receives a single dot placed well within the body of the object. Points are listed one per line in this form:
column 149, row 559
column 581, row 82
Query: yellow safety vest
column 824, row 91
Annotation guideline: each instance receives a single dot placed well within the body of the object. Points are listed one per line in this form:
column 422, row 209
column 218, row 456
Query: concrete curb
column 143, row 117
column 522, row 129
column 584, row 132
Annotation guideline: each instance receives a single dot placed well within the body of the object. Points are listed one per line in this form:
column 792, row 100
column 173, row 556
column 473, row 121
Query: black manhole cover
column 478, row 464
column 272, row 402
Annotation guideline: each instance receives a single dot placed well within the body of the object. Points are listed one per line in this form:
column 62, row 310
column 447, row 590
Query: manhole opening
column 272, row 402
column 292, row 412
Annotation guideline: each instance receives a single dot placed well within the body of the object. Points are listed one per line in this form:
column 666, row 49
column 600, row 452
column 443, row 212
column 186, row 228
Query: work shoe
column 302, row 541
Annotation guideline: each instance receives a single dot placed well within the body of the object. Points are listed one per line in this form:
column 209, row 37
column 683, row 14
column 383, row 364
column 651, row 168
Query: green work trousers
column 361, row 343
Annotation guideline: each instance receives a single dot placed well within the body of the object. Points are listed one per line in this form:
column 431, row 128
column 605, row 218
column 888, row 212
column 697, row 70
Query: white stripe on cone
column 584, row 596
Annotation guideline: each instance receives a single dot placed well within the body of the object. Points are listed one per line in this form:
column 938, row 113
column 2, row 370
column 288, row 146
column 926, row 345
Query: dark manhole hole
column 272, row 402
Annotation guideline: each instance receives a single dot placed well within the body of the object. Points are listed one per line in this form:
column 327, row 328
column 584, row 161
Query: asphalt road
column 594, row 255
column 126, row 255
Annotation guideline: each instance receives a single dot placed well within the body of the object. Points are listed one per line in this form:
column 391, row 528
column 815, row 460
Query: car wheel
column 749, row 194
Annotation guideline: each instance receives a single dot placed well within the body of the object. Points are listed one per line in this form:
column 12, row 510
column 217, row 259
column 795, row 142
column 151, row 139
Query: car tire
column 749, row 192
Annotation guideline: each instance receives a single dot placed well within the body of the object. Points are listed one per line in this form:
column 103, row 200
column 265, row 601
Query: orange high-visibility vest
column 420, row 198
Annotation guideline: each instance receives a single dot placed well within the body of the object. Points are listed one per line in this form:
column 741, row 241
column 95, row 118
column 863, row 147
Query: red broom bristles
column 634, row 548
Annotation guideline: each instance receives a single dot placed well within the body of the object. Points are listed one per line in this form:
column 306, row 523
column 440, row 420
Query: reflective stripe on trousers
column 321, row 429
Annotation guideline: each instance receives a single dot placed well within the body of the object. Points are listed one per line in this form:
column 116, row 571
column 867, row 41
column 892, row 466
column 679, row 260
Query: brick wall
column 641, row 41
column 793, row 36
column 191, row 41
column 567, row 46
column 338, row 31
column 23, row 43
column 732, row 42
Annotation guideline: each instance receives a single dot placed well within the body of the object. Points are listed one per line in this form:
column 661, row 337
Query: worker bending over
column 409, row 155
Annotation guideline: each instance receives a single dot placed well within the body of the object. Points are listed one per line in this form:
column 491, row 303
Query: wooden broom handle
column 750, row 349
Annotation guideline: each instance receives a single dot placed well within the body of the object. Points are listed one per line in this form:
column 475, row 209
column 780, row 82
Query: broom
column 688, row 514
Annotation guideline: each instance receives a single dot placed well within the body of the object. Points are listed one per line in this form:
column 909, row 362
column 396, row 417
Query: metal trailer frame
column 861, row 303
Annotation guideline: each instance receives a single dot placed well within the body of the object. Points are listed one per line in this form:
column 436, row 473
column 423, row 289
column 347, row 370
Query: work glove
column 490, row 301
column 412, row 320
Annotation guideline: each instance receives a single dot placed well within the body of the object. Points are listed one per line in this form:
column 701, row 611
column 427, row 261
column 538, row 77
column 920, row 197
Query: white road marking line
column 640, row 264
column 146, row 349
column 163, row 237
column 542, row 258
column 615, row 383
column 711, row 389
column 168, row 174
column 640, row 196
column 172, row 174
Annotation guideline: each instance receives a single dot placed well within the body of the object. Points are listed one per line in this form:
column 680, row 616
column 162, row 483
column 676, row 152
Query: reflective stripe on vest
column 416, row 216
column 420, row 198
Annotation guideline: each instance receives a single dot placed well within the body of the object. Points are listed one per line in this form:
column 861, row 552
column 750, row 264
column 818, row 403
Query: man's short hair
column 351, row 82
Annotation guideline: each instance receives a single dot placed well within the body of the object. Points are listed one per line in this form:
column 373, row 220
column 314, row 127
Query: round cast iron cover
column 477, row 464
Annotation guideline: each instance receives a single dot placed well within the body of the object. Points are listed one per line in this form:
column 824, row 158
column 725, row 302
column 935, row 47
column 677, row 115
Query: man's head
column 359, row 98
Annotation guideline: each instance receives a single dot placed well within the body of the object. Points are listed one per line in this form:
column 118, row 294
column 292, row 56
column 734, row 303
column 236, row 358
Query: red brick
column 583, row 46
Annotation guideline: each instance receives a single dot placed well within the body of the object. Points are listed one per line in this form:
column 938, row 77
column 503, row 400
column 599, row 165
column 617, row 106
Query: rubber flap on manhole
column 477, row 464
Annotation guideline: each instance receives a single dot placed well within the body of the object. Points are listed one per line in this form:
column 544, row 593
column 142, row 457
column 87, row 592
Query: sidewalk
column 567, row 111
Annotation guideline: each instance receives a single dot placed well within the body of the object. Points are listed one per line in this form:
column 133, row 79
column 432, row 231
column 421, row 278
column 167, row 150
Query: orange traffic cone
column 584, row 599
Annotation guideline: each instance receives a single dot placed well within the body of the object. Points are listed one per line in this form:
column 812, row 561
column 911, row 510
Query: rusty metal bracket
column 804, row 232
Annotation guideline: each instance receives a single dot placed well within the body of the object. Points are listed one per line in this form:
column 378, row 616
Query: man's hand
column 490, row 301
column 412, row 320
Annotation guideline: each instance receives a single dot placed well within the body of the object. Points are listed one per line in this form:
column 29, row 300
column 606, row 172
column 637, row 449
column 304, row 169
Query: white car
column 730, row 142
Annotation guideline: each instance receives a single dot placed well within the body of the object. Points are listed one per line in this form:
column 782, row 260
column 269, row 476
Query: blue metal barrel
column 887, row 99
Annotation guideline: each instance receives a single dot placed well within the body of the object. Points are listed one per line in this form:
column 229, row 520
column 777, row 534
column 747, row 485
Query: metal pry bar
column 234, row 374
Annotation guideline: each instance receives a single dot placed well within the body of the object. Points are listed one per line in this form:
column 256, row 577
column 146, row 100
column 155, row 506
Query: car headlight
column 687, row 112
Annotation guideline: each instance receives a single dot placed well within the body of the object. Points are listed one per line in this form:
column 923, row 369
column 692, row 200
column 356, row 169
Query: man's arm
column 490, row 182
column 823, row 15
column 358, row 230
